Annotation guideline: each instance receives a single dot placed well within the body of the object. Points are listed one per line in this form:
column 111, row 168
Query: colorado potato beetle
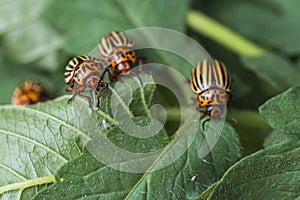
column 211, row 81
column 116, row 51
column 85, row 72
column 29, row 92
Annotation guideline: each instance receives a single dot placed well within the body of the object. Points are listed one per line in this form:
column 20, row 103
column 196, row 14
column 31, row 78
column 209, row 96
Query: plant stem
column 222, row 34
column 243, row 116
column 27, row 183
column 106, row 116
column 125, row 107
column 174, row 113
column 145, row 105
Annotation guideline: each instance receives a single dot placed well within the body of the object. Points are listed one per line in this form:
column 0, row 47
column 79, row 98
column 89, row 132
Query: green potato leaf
column 27, row 39
column 272, row 173
column 105, row 174
column 277, row 138
column 274, row 69
column 281, row 111
column 15, row 13
column 83, row 24
column 25, row 46
column 133, row 16
column 35, row 142
column 185, row 178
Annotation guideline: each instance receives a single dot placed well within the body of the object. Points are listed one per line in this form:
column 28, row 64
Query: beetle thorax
column 121, row 59
column 213, row 97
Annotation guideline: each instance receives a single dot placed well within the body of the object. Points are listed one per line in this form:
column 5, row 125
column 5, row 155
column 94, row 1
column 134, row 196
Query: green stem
column 173, row 113
column 243, row 116
column 125, row 107
column 143, row 99
column 106, row 116
column 27, row 183
column 222, row 34
column 178, row 134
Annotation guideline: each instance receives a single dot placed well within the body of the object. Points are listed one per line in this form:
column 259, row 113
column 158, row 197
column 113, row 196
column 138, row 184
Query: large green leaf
column 85, row 23
column 276, row 70
column 31, row 42
column 87, row 173
column 277, row 138
column 35, row 142
column 273, row 173
column 14, row 14
column 26, row 38
column 187, row 177
column 106, row 16
column 281, row 112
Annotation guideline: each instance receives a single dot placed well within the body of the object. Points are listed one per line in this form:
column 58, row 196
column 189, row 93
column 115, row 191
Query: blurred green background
column 38, row 38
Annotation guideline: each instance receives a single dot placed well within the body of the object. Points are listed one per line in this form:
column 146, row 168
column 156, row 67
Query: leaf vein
column 48, row 116
column 36, row 143
column 12, row 171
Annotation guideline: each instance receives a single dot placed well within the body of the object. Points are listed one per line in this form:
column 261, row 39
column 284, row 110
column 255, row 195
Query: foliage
column 42, row 152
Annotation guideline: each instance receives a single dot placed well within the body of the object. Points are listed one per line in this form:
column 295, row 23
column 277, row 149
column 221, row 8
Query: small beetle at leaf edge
column 29, row 92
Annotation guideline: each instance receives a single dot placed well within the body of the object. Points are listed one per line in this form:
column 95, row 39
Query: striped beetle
column 211, row 81
column 116, row 51
column 29, row 92
column 84, row 72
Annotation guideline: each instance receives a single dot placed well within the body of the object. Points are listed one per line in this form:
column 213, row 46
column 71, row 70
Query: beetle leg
column 110, row 76
column 105, row 86
column 81, row 95
column 73, row 97
column 88, row 98
column 71, row 89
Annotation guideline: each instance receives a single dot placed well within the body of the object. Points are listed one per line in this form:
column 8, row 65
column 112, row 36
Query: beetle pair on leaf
column 116, row 58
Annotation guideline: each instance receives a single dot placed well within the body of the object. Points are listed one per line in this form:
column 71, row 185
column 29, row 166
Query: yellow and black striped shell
column 113, row 41
column 116, row 51
column 211, row 81
column 82, row 72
